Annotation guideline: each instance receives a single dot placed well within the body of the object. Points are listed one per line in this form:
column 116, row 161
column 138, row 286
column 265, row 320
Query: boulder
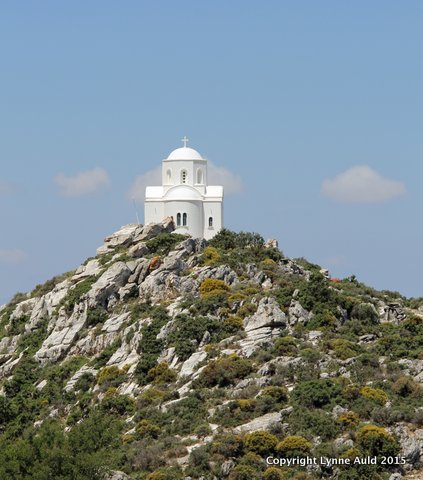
column 151, row 230
column 63, row 335
column 76, row 376
column 298, row 314
column 109, row 283
column 138, row 250
column 123, row 237
column 91, row 268
column 265, row 422
column 115, row 322
column 268, row 314
column 189, row 365
column 411, row 444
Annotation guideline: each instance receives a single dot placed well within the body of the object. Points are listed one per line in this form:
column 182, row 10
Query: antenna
column 136, row 212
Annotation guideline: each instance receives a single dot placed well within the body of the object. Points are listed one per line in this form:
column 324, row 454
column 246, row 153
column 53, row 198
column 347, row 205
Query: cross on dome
column 185, row 141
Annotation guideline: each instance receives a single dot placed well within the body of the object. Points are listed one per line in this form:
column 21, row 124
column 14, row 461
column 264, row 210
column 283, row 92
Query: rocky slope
column 164, row 357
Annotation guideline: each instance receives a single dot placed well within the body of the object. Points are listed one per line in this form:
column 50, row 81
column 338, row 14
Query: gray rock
column 189, row 365
column 367, row 338
column 147, row 232
column 313, row 337
column 63, row 335
column 338, row 410
column 268, row 314
column 109, row 283
column 271, row 243
column 123, row 237
column 138, row 250
column 265, row 422
column 93, row 267
column 343, row 442
column 298, row 314
column 116, row 475
column 226, row 468
column 115, row 322
column 77, row 375
column 411, row 444
column 23, row 308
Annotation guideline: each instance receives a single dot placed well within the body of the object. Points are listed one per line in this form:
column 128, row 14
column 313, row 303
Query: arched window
column 184, row 176
column 184, row 219
column 178, row 219
column 169, row 175
column 210, row 222
column 199, row 176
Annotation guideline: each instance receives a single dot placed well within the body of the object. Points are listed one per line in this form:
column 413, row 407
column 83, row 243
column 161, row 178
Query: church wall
column 153, row 212
column 176, row 167
column 194, row 211
column 215, row 211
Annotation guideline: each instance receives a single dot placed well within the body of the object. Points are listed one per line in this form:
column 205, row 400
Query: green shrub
column 106, row 354
column 161, row 373
column 227, row 444
column 285, row 346
column 365, row 313
column 376, row 394
column 348, row 419
column 273, row 473
column 169, row 473
column 278, row 393
column 260, row 442
column 293, row 446
column 150, row 346
column 210, row 256
column 147, row 429
column 233, row 323
column 96, row 316
column 85, row 382
column 46, row 287
column 117, row 404
column 76, row 292
column 224, row 371
column 213, row 286
column 405, row 386
column 163, row 243
column 247, row 309
column 312, row 423
column 316, row 393
column 344, row 349
column 373, row 440
column 244, row 472
column 110, row 377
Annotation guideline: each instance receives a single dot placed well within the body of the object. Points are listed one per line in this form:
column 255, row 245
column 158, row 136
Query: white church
column 196, row 207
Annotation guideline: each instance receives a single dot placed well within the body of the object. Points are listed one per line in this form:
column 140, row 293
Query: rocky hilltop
column 166, row 358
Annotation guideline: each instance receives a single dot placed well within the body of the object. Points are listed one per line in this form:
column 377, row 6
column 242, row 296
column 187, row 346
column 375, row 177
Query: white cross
column 185, row 141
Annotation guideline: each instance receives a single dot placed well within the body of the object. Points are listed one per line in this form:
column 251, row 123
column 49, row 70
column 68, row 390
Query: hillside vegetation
column 168, row 358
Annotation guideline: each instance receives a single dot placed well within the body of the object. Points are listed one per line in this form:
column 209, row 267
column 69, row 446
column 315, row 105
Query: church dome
column 182, row 192
column 185, row 153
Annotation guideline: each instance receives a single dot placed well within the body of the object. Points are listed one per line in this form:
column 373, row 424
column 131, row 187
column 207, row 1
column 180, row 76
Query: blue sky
column 316, row 106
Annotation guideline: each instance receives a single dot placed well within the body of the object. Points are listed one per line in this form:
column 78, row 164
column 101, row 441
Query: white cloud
column 361, row 184
column 231, row 182
column 137, row 190
column 12, row 256
column 82, row 183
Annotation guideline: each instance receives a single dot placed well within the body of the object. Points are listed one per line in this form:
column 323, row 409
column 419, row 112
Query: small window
column 199, row 176
column 184, row 176
column 178, row 220
column 210, row 222
column 169, row 175
column 184, row 219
